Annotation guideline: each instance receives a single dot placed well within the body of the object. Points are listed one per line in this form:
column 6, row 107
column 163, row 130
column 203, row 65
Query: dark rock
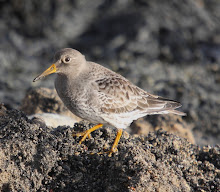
column 170, row 48
column 171, row 123
column 41, row 100
column 41, row 159
column 2, row 109
column 44, row 100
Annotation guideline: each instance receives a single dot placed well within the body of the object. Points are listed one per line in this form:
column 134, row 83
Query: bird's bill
column 50, row 70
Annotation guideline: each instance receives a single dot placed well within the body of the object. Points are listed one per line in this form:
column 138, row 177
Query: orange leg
column 115, row 144
column 87, row 133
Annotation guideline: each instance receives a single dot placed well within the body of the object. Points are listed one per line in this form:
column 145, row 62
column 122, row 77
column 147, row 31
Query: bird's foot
column 113, row 150
column 110, row 152
column 115, row 144
column 82, row 134
column 86, row 133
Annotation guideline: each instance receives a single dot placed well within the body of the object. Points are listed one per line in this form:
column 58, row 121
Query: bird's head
column 66, row 61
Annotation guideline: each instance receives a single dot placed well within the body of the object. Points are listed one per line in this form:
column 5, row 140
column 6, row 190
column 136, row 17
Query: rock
column 2, row 109
column 53, row 120
column 42, row 159
column 44, row 100
column 170, row 123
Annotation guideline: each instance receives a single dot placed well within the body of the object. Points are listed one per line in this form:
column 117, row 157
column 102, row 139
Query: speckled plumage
column 100, row 95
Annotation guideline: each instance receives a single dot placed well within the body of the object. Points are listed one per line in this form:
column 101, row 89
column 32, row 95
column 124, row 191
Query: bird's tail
column 176, row 112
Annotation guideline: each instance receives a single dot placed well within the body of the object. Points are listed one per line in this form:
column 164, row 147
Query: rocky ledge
column 34, row 157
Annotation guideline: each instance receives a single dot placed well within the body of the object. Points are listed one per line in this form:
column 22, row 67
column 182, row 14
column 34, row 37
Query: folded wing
column 118, row 95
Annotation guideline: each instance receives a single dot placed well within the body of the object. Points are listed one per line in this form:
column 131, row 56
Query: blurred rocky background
column 170, row 48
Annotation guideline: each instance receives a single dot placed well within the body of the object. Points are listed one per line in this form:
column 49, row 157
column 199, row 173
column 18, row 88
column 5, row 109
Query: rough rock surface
column 42, row 159
column 169, row 48
column 44, row 100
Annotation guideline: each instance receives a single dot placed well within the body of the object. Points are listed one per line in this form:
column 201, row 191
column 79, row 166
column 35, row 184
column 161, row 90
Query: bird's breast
column 64, row 87
column 74, row 96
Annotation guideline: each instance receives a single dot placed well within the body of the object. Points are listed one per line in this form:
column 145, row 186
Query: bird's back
column 119, row 101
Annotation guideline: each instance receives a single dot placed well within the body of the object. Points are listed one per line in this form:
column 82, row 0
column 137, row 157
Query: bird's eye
column 67, row 59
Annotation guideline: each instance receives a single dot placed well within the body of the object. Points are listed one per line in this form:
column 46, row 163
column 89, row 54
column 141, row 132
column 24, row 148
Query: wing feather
column 117, row 95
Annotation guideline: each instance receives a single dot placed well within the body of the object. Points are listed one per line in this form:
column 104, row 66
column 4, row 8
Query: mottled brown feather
column 122, row 96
